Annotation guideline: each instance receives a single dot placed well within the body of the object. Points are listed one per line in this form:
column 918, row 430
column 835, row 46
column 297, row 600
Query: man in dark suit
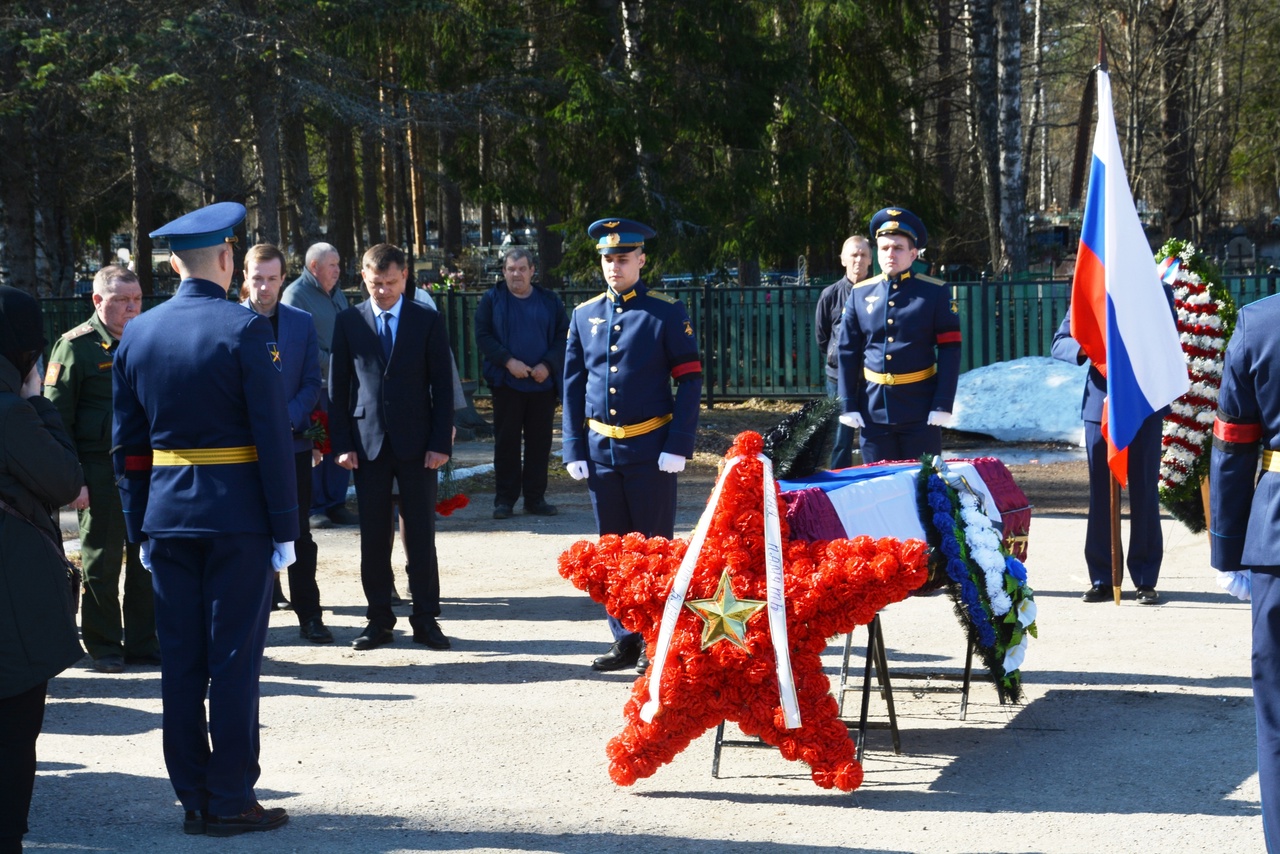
column 204, row 459
column 392, row 419
column 1146, row 541
column 300, row 369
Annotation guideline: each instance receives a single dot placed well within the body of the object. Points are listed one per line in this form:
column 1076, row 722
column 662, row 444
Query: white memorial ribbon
column 774, row 585
column 777, row 600
column 675, row 599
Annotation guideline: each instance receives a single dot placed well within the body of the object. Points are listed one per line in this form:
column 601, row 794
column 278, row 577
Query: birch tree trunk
column 983, row 91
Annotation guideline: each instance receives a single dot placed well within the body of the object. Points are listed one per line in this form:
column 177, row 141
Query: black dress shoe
column 1148, row 596
column 373, row 636
column 1099, row 593
column 319, row 521
column 502, row 511
column 622, row 655
column 255, row 819
column 642, row 664
column 193, row 823
column 541, row 508
column 430, row 635
column 342, row 517
column 315, row 631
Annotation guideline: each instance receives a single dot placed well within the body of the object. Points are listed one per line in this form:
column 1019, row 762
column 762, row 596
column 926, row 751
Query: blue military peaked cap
column 614, row 236
column 207, row 226
column 899, row 221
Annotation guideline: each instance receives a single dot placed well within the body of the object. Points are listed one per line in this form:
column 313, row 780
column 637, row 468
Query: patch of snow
column 1033, row 399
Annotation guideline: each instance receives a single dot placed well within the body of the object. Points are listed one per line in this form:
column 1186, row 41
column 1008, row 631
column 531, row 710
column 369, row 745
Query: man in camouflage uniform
column 78, row 382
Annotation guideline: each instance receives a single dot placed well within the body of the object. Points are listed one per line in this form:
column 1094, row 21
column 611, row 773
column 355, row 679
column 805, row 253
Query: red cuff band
column 1237, row 433
column 137, row 463
column 687, row 368
column 949, row 337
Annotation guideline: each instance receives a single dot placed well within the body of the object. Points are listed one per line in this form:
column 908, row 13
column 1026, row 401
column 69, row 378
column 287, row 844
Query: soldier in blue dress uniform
column 1244, row 524
column 624, row 431
column 204, row 458
column 899, row 348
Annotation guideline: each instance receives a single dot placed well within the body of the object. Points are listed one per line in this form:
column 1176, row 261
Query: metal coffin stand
column 876, row 661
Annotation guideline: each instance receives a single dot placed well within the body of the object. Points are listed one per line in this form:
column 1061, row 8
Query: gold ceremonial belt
column 627, row 431
column 899, row 379
column 1269, row 461
column 204, row 456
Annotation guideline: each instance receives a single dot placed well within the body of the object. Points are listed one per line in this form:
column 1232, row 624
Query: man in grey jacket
column 316, row 292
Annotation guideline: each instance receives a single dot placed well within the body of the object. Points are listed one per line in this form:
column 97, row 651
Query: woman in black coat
column 38, row 473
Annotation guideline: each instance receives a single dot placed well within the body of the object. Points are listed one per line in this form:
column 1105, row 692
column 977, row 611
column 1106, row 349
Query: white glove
column 144, row 554
column 938, row 418
column 282, row 554
column 852, row 420
column 1238, row 584
column 577, row 469
column 672, row 463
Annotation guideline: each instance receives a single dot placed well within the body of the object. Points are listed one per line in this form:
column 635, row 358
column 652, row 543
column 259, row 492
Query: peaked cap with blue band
column 208, row 226
column 615, row 236
column 899, row 221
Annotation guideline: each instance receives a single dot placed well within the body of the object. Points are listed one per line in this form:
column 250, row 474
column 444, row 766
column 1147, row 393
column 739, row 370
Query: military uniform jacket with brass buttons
column 201, row 374
column 78, row 381
column 1245, row 507
column 896, row 327
column 623, row 352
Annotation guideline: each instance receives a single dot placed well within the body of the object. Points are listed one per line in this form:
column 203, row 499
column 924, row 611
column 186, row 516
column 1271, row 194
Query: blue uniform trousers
column 899, row 441
column 213, row 597
column 635, row 498
column 329, row 481
column 842, row 450
column 1266, row 695
column 1146, row 542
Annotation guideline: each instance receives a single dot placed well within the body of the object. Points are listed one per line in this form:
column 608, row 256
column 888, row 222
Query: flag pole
column 1117, row 546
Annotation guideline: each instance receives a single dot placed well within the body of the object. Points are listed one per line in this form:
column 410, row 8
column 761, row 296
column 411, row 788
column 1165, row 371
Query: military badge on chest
column 871, row 302
column 595, row 324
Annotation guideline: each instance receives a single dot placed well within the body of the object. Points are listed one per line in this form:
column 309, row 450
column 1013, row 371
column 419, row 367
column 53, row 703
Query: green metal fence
column 758, row 342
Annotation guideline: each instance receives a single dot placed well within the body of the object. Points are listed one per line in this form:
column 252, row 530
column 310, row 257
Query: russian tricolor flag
column 1119, row 313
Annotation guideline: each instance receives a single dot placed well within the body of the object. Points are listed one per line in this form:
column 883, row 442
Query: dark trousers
column 516, row 415
column 1146, row 542
column 636, row 498
column 880, row 442
column 303, row 591
column 106, row 627
column 842, row 450
column 1266, row 695
column 213, row 597
column 329, row 481
column 21, row 717
column 418, row 509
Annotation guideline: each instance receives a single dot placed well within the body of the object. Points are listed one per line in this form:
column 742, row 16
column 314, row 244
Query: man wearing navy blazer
column 391, row 383
column 300, row 371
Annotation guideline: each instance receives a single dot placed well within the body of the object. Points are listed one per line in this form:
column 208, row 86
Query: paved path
column 1136, row 733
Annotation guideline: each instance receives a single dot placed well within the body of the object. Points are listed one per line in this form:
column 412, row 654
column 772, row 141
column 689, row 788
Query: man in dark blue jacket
column 624, row 431
column 1146, row 541
column 520, row 329
column 300, row 370
column 1244, row 514
column 204, row 458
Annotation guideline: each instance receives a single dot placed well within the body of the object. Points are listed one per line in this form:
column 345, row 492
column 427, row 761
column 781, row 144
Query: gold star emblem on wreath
column 725, row 617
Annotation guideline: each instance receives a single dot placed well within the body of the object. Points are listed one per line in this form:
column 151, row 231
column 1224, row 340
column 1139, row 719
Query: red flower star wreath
column 830, row 587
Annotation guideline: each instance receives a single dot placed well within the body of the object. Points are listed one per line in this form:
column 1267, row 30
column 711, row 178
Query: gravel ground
column 1136, row 731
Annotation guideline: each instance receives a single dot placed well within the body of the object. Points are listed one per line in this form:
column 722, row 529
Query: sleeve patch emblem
column 275, row 356
column 52, row 373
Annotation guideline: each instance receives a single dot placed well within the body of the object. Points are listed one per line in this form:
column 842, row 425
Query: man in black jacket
column 521, row 330
column 856, row 258
column 391, row 381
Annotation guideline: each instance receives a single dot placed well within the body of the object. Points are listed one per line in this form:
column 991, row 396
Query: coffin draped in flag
column 1119, row 312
